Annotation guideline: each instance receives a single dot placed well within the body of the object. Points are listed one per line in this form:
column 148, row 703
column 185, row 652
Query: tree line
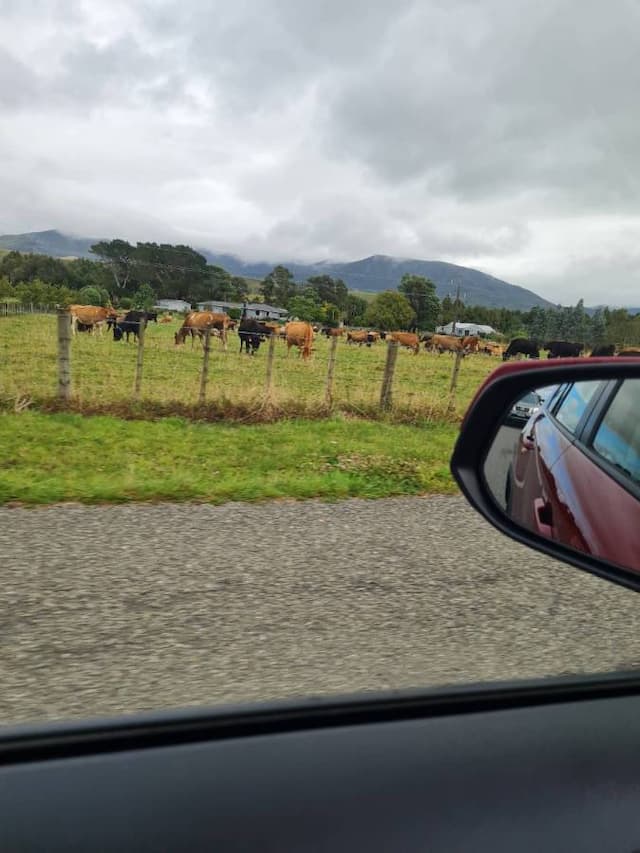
column 136, row 276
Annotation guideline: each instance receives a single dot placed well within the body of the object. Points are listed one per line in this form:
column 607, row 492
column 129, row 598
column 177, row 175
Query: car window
column 618, row 437
column 574, row 405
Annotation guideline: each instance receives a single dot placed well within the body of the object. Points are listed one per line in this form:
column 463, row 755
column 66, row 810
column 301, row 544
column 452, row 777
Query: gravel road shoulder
column 126, row 608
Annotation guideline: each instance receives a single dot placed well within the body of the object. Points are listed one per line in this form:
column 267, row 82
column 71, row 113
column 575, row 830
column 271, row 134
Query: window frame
column 587, row 429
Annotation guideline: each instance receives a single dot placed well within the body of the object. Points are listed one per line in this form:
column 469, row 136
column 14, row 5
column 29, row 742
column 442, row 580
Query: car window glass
column 575, row 403
column 618, row 437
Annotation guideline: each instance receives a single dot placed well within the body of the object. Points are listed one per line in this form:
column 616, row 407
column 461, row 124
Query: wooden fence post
column 331, row 371
column 204, row 376
column 64, row 354
column 387, row 380
column 454, row 381
column 139, row 358
column 268, row 385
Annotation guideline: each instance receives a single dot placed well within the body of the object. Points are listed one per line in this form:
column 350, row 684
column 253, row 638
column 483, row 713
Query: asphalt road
column 124, row 608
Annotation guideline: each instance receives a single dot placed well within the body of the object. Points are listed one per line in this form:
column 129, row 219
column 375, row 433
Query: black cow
column 130, row 324
column 251, row 333
column 562, row 349
column 522, row 346
column 603, row 350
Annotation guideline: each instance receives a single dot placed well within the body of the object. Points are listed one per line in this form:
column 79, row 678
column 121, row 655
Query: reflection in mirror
column 565, row 465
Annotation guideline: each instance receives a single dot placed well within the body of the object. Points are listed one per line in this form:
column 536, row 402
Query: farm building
column 463, row 330
column 254, row 309
column 177, row 305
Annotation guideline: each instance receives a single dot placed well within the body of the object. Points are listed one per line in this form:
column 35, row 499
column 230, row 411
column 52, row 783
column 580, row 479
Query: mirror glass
column 565, row 465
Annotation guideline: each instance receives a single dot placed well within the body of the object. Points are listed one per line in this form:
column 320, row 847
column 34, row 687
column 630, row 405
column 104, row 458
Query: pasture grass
column 103, row 376
column 69, row 457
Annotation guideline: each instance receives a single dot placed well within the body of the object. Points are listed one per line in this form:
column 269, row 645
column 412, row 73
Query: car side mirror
column 549, row 453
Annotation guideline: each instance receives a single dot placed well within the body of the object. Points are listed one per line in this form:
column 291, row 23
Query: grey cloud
column 477, row 133
column 18, row 84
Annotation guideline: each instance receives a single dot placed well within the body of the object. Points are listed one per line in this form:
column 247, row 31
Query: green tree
column 119, row 256
column 355, row 310
column 597, row 328
column 91, row 295
column 82, row 272
column 144, row 298
column 389, row 311
column 420, row 292
column 446, row 310
column 278, row 286
column 329, row 289
column 536, row 324
column 239, row 289
column 304, row 307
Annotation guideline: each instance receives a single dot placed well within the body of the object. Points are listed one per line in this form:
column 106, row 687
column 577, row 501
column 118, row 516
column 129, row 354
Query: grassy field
column 68, row 457
column 165, row 446
column 103, row 375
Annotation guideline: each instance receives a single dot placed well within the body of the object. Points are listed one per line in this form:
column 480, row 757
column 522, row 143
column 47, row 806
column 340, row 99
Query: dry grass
column 103, row 375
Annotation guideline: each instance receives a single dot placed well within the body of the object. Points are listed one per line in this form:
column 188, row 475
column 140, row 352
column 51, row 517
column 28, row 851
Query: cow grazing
column 562, row 349
column 251, row 333
column 444, row 343
column 166, row 319
column 90, row 316
column 406, row 339
column 361, row 336
column 470, row 343
column 130, row 324
column 331, row 332
column 603, row 350
column 299, row 334
column 522, row 346
column 196, row 324
column 491, row 348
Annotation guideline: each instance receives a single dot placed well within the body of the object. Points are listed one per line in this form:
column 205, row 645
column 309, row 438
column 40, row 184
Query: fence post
column 268, row 385
column 204, row 376
column 139, row 358
column 454, row 381
column 64, row 354
column 331, row 371
column 387, row 379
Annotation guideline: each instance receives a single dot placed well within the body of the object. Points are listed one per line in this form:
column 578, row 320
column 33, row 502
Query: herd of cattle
column 252, row 332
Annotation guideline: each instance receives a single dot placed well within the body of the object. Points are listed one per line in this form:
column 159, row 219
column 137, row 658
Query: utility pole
column 456, row 306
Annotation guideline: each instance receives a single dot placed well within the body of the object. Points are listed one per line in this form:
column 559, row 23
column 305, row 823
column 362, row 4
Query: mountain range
column 375, row 273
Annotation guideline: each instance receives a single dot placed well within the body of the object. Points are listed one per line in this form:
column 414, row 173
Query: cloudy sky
column 500, row 134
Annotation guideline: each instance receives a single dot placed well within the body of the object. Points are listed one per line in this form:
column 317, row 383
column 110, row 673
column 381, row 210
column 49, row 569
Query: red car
column 575, row 472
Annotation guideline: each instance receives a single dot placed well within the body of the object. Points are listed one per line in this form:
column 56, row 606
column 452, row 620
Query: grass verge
column 47, row 458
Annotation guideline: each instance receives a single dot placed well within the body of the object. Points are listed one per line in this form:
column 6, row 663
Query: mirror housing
column 485, row 417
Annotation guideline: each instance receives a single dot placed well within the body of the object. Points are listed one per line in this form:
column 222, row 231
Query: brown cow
column 90, row 316
column 360, row 336
column 332, row 332
column 299, row 334
column 196, row 323
column 492, row 348
column 166, row 319
column 405, row 339
column 628, row 353
column 470, row 343
column 445, row 343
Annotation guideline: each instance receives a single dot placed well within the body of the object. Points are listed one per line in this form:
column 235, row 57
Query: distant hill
column 373, row 274
column 381, row 272
column 49, row 243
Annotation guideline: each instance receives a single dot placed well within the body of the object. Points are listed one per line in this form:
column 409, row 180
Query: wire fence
column 10, row 309
column 43, row 363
